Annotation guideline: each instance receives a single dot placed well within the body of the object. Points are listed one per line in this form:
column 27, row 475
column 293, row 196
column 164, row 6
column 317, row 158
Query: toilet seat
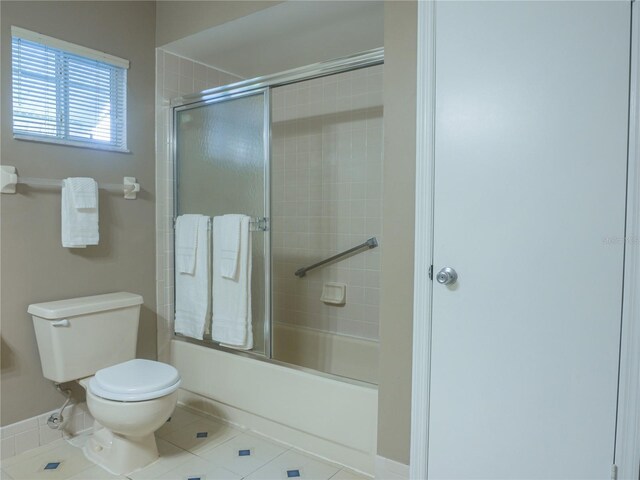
column 135, row 381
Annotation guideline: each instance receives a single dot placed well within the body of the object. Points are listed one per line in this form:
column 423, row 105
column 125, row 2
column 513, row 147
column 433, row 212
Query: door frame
column 627, row 447
column 423, row 253
column 627, row 453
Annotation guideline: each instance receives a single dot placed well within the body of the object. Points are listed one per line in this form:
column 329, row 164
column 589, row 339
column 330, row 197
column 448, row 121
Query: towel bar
column 9, row 179
column 256, row 224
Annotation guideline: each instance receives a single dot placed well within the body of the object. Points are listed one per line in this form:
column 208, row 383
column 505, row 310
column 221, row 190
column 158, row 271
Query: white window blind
column 64, row 93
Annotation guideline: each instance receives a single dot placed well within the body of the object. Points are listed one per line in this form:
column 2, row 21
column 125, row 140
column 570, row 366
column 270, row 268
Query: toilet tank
column 79, row 336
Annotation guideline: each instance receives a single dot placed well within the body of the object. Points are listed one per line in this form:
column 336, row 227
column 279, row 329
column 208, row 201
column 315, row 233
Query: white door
column 530, row 175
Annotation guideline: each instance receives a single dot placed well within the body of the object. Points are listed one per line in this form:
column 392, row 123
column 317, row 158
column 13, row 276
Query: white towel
column 231, row 297
column 230, row 244
column 192, row 289
column 83, row 192
column 79, row 224
column 186, row 241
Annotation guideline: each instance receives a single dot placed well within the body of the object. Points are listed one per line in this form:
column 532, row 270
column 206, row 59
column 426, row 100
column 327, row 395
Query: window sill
column 70, row 143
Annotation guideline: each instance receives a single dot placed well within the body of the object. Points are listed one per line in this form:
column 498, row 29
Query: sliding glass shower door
column 221, row 162
column 302, row 155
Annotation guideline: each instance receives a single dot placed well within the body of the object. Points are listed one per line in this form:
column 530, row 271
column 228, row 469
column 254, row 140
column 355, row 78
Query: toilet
column 92, row 340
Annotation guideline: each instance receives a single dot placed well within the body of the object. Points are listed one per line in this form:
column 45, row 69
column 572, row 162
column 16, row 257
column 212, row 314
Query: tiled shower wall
column 327, row 197
column 175, row 77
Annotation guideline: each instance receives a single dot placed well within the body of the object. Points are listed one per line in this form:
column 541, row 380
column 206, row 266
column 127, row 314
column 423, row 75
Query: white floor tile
column 4, row 475
column 31, row 453
column 201, row 435
column 96, row 473
column 292, row 465
column 32, row 466
column 349, row 475
column 78, row 441
column 199, row 468
column 183, row 455
column 230, row 454
column 179, row 418
column 170, row 458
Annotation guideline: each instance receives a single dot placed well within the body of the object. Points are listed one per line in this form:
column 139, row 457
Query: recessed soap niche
column 334, row 293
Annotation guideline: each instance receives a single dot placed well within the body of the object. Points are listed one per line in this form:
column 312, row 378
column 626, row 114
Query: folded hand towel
column 83, row 192
column 229, row 239
column 79, row 225
column 192, row 289
column 231, row 297
column 186, row 242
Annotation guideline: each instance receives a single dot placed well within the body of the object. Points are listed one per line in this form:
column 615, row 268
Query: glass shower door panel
column 327, row 184
column 221, row 159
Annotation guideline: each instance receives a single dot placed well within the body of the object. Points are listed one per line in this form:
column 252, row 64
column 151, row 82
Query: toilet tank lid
column 84, row 305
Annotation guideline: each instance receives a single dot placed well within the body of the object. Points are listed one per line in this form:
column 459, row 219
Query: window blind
column 63, row 97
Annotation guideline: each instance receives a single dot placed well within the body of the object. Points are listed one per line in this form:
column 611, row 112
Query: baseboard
column 326, row 450
column 34, row 432
column 387, row 469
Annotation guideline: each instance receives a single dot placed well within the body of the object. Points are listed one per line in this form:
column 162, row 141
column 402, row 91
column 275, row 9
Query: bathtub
column 333, row 419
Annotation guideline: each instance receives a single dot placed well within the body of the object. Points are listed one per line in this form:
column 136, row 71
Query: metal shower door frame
column 221, row 98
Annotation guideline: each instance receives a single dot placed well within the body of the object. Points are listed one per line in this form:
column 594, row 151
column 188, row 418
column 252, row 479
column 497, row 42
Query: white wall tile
column 18, row 427
column 328, row 201
column 7, row 447
column 48, row 435
column 34, row 432
column 186, row 68
column 171, row 63
column 200, row 72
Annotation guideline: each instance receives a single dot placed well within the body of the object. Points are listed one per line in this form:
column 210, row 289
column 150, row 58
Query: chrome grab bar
column 371, row 243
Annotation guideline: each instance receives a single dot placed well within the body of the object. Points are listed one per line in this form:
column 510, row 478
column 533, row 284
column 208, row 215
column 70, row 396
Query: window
column 67, row 94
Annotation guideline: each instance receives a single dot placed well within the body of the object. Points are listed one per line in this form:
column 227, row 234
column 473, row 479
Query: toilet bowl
column 92, row 340
column 129, row 402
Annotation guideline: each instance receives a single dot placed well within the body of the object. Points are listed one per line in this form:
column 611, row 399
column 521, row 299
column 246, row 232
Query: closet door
column 530, row 175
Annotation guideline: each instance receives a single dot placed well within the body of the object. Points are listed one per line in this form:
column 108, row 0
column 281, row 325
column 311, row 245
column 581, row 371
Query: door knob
column 447, row 276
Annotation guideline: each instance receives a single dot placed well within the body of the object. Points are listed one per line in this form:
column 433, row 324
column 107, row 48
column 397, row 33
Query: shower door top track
column 365, row 59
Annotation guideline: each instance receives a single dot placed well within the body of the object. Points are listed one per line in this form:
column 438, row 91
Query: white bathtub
column 330, row 418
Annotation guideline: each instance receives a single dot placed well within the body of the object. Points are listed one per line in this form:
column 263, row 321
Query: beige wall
column 179, row 19
column 396, row 302
column 34, row 265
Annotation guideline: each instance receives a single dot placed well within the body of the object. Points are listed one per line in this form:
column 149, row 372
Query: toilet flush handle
column 61, row 323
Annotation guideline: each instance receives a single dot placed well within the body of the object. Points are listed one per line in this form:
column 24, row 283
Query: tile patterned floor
column 191, row 447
